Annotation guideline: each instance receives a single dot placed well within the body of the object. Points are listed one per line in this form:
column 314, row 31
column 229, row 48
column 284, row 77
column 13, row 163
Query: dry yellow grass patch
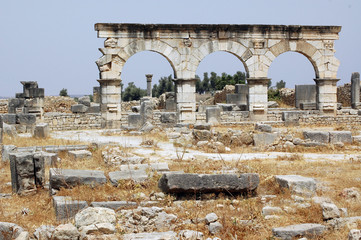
column 31, row 141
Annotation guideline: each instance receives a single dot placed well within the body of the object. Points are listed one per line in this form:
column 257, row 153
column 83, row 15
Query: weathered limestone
column 10, row 230
column 79, row 154
column 79, row 108
column 305, row 94
column 185, row 45
column 355, row 90
column 149, row 84
column 41, row 130
column 170, row 102
column 110, row 100
column 308, row 230
column 297, row 184
column 66, row 208
column 135, row 120
column 258, row 100
column 96, row 94
column 265, row 139
column 205, row 183
column 340, row 136
column 317, row 136
column 114, row 204
column 68, row 178
column 27, row 172
column 168, row 117
column 146, row 110
column 327, row 95
column 213, row 115
column 170, row 235
column 291, row 118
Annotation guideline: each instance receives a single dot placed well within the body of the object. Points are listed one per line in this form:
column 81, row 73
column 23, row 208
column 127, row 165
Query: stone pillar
column 326, row 96
column 186, row 99
column 355, row 90
column 96, row 94
column 110, row 102
column 258, row 98
column 149, row 84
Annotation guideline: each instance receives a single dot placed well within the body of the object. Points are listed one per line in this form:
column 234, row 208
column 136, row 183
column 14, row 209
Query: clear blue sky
column 54, row 42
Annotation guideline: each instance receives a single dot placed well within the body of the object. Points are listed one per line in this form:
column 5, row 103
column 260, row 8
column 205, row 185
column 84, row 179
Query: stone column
column 258, row 98
column 110, row 102
column 326, row 96
column 149, row 84
column 355, row 90
column 186, row 99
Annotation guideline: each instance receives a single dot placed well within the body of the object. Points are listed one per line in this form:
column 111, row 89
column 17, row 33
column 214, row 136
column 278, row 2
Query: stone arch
column 232, row 47
column 170, row 53
column 302, row 47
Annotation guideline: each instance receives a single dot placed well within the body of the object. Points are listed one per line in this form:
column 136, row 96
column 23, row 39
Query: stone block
column 213, row 115
column 28, row 85
column 265, row 139
column 19, row 95
column 93, row 109
column 297, row 184
column 263, row 127
column 80, row 154
column 16, row 103
column 85, row 100
column 355, row 89
column 96, row 94
column 170, row 105
column 41, row 130
column 340, row 136
column 68, row 178
column 36, row 93
column 22, row 172
column 168, row 117
column 114, row 204
column 291, row 117
column 305, row 94
column 317, row 136
column 272, row 104
column 9, row 231
column 202, row 126
column 50, row 159
column 26, row 119
column 202, row 135
column 6, row 150
column 135, row 120
column 135, row 175
column 308, row 106
column 330, row 211
column 309, row 230
column 66, row 208
column 226, row 107
column 39, row 170
column 147, row 127
column 158, row 167
column 79, row 108
column 208, row 183
column 136, row 109
column 146, row 110
column 9, row 118
column 170, row 235
column 236, row 99
column 241, row 89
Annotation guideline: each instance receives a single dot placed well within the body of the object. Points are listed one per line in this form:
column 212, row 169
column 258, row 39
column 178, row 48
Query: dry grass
column 334, row 176
column 31, row 141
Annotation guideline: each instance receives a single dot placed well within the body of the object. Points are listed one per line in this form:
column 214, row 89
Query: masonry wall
column 3, row 106
column 70, row 121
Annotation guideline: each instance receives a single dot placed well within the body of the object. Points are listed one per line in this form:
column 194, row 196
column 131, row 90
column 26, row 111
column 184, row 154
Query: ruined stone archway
column 185, row 45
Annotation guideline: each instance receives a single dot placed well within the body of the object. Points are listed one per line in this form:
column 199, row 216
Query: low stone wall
column 3, row 106
column 70, row 121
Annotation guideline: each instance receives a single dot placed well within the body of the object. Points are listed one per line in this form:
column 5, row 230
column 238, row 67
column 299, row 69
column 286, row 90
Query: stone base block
column 66, row 208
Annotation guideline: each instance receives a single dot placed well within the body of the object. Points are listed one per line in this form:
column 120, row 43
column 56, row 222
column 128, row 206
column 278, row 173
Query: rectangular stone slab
column 308, row 230
column 66, row 207
column 208, row 183
column 69, row 178
column 114, row 204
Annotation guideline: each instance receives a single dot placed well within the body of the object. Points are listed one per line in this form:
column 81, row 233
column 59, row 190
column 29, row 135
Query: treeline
column 207, row 84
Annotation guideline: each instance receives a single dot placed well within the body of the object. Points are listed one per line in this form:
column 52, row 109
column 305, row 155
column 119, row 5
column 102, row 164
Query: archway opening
column 217, row 70
column 286, row 71
column 134, row 73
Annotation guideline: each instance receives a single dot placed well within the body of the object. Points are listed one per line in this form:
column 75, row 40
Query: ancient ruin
column 234, row 165
column 184, row 46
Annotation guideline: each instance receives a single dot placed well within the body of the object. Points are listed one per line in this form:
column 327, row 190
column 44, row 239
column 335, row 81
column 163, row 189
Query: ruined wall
column 69, row 121
column 3, row 106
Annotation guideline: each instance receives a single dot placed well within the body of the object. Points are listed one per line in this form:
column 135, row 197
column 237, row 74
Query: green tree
column 269, row 83
column 131, row 92
column 239, row 77
column 213, row 80
column 280, row 84
column 199, row 85
column 205, row 82
column 63, row 92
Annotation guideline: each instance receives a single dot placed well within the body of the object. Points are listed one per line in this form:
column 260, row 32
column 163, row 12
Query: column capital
column 110, row 80
column 326, row 81
column 261, row 80
column 149, row 77
column 185, row 79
